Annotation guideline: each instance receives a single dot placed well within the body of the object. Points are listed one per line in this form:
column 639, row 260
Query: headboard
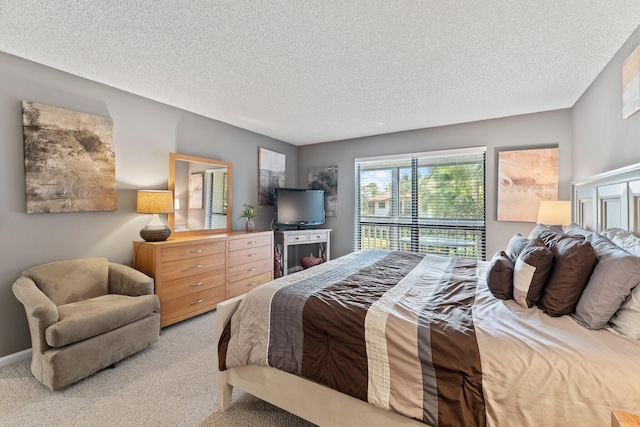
column 607, row 200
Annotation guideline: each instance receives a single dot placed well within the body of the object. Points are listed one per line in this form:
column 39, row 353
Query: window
column 434, row 203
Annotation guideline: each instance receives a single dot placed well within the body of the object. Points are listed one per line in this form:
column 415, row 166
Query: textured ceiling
column 314, row 71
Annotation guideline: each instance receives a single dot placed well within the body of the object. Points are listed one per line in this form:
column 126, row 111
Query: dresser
column 193, row 274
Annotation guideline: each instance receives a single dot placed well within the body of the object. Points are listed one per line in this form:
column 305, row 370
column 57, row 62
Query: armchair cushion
column 85, row 319
column 64, row 282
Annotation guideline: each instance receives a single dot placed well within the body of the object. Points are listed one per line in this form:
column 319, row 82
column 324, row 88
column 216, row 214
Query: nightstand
column 624, row 419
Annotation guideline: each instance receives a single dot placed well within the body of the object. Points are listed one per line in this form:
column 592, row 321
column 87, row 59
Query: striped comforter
column 424, row 337
column 371, row 327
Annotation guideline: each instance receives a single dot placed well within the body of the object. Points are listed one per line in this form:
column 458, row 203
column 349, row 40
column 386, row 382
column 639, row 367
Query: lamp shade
column 155, row 201
column 555, row 212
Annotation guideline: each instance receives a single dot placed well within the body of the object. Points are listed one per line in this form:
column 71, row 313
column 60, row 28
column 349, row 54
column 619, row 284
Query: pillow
column 626, row 321
column 624, row 239
column 574, row 230
column 515, row 246
column 537, row 231
column 616, row 273
column 573, row 261
column 530, row 273
column 500, row 276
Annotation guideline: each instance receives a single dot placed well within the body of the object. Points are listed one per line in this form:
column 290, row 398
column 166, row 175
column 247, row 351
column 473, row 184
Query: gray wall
column 518, row 132
column 145, row 132
column 603, row 140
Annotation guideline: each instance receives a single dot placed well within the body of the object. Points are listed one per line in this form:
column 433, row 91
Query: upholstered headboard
column 607, row 200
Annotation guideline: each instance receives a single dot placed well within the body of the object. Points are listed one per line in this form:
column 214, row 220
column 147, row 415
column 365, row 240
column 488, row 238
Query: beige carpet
column 172, row 383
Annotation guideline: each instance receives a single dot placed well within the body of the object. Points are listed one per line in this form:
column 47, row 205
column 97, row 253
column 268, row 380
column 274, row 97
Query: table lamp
column 554, row 212
column 155, row 202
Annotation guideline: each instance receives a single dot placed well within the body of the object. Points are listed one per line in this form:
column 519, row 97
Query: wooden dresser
column 193, row 274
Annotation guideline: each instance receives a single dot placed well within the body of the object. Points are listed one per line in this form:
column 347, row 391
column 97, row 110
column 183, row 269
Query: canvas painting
column 525, row 177
column 326, row 179
column 271, row 172
column 196, row 188
column 69, row 160
column 631, row 84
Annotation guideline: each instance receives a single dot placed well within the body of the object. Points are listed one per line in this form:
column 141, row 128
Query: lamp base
column 155, row 233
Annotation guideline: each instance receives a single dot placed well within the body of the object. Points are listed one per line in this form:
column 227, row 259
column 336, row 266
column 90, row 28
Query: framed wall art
column 525, row 177
column 326, row 179
column 196, row 188
column 271, row 173
column 69, row 160
column 631, row 84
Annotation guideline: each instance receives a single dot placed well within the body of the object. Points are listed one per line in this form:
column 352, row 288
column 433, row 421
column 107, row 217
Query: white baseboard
column 15, row 357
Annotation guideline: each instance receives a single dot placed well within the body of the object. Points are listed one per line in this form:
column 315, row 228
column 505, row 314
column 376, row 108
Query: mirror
column 202, row 195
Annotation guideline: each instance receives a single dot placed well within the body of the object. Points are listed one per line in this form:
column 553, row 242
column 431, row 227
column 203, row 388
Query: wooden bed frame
column 610, row 199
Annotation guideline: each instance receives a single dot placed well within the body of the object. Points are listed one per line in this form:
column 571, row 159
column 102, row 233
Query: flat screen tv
column 298, row 207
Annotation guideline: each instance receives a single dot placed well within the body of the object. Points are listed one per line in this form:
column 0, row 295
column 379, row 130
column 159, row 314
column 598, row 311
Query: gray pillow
column 626, row 321
column 624, row 239
column 616, row 273
column 537, row 231
column 515, row 246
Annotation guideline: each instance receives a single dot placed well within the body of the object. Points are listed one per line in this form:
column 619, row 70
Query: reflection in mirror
column 202, row 192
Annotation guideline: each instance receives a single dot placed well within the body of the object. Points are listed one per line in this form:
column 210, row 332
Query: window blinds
column 430, row 202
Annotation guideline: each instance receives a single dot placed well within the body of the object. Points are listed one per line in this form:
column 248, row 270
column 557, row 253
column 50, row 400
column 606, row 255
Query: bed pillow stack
column 550, row 270
column 593, row 277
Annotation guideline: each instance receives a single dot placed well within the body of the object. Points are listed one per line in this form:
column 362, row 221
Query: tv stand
column 287, row 238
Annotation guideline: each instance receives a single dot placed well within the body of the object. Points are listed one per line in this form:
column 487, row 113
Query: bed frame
column 610, row 199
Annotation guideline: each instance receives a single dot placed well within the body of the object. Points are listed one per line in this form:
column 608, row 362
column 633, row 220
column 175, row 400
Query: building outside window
column 430, row 202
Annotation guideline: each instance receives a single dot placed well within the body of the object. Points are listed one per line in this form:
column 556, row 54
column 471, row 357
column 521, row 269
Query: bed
column 477, row 359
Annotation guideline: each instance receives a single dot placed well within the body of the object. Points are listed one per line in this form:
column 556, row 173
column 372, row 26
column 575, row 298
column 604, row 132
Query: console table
column 288, row 238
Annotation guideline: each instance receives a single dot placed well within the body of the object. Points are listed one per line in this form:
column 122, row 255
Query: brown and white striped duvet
column 416, row 335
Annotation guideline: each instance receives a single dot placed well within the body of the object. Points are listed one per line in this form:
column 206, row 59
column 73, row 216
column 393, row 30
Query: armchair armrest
column 125, row 280
column 41, row 311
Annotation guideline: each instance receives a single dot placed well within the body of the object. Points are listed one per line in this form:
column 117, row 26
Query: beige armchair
column 84, row 315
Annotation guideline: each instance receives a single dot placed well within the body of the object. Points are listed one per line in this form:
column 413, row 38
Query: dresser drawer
column 192, row 284
column 302, row 237
column 191, row 251
column 320, row 236
column 243, row 286
column 245, row 256
column 191, row 267
column 200, row 301
column 244, row 271
column 249, row 242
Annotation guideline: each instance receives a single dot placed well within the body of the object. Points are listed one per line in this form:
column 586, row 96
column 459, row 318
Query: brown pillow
column 530, row 273
column 500, row 276
column 573, row 262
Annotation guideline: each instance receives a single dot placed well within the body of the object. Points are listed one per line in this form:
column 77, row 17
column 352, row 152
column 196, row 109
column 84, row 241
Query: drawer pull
column 253, row 242
column 252, row 284
column 196, row 302
column 252, row 269
column 197, row 284
column 253, row 254
column 197, row 251
column 197, row 266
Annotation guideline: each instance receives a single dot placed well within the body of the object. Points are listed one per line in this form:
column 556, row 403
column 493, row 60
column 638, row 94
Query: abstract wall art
column 525, row 177
column 271, row 173
column 69, row 160
column 326, row 179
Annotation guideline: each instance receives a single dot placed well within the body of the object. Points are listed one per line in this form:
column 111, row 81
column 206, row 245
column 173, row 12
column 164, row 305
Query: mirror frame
column 173, row 157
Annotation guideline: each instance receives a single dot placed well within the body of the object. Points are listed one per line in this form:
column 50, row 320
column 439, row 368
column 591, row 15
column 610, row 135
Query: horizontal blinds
column 425, row 202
